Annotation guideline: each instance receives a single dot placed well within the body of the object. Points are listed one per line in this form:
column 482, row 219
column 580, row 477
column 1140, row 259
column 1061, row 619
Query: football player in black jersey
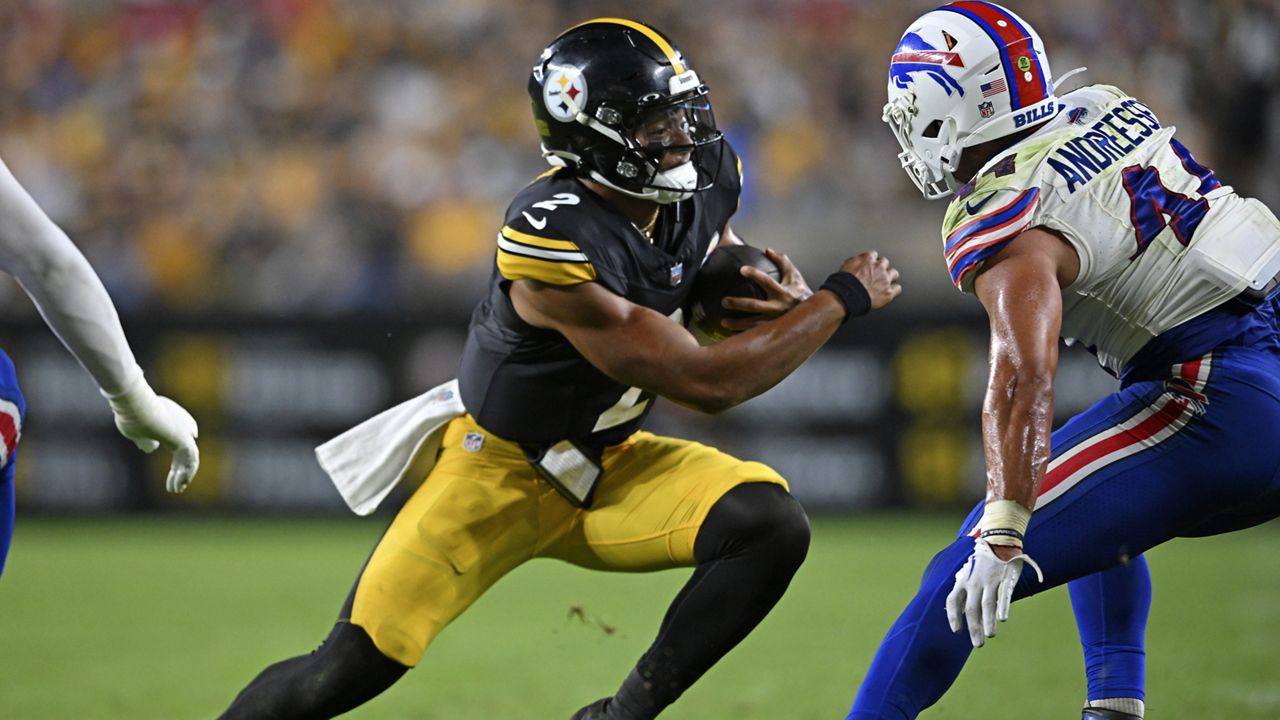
column 581, row 329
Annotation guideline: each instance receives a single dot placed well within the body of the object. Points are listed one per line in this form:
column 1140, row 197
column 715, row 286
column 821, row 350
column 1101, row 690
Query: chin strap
column 681, row 180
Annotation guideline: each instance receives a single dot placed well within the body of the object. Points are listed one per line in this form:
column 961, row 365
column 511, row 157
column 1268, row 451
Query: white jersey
column 1160, row 240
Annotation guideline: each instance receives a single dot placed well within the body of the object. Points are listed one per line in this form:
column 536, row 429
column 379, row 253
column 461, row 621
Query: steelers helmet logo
column 564, row 92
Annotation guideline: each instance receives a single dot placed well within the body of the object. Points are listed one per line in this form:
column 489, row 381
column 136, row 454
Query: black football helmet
column 613, row 98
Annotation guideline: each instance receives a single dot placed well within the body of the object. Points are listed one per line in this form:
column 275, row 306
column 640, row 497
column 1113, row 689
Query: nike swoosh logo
column 537, row 223
column 973, row 209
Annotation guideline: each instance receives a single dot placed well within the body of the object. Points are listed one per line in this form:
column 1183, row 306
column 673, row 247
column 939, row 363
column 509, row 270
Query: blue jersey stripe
column 1023, row 201
column 974, row 258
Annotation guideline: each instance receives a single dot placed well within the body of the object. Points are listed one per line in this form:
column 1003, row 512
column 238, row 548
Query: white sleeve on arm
column 64, row 287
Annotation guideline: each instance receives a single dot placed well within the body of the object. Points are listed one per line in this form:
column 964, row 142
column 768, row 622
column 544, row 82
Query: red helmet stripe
column 1026, row 87
column 933, row 57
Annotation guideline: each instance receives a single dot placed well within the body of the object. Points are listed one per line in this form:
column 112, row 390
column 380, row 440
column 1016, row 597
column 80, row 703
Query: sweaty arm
column 66, row 290
column 639, row 347
column 1021, row 289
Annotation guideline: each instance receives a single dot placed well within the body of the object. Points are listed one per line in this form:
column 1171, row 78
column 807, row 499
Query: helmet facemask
column 664, row 145
column 930, row 147
column 652, row 133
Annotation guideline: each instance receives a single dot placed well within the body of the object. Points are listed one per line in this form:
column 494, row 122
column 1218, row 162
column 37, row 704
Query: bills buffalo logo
column 1184, row 392
column 914, row 55
column 986, row 109
column 1006, row 166
column 564, row 93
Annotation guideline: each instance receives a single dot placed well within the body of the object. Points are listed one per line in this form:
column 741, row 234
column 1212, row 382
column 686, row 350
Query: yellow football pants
column 483, row 510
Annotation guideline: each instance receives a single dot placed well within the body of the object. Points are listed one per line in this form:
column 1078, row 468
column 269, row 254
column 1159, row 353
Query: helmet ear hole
column 932, row 129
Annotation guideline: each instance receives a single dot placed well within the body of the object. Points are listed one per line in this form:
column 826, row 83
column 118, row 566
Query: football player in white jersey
column 1081, row 216
column 72, row 300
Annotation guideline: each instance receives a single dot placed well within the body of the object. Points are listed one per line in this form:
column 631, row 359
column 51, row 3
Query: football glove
column 151, row 420
column 983, row 591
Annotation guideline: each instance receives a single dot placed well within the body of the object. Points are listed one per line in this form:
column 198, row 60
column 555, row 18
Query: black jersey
column 529, row 384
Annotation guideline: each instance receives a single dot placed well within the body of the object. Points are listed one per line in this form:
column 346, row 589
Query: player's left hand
column 780, row 295
column 984, row 590
column 151, row 420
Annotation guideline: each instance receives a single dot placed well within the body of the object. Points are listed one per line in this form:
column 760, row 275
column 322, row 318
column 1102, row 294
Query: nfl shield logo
column 986, row 109
column 472, row 442
column 677, row 274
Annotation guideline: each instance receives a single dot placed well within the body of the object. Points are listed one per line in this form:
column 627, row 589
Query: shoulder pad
column 730, row 171
column 530, row 247
column 1096, row 93
column 979, row 224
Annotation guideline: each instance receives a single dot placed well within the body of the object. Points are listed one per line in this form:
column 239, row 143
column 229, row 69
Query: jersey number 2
column 1150, row 201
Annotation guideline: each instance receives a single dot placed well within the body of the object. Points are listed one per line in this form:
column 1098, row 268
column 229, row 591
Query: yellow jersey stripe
column 648, row 32
column 524, row 238
column 552, row 171
column 739, row 205
column 522, row 267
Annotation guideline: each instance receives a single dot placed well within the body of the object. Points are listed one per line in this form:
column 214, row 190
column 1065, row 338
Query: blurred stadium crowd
column 302, row 158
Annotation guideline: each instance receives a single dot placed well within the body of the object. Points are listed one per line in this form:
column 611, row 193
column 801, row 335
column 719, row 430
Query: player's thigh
column 653, row 498
column 1242, row 486
column 470, row 522
column 1122, row 482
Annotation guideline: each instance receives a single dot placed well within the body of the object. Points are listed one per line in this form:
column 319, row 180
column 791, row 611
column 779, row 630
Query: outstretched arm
column 639, row 347
column 1021, row 289
column 75, row 305
column 65, row 289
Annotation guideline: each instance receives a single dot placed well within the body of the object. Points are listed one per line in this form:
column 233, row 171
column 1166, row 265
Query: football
column 721, row 277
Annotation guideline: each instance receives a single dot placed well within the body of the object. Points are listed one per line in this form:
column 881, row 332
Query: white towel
column 368, row 460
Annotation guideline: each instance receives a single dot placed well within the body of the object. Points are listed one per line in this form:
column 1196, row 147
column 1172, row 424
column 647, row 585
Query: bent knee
column 755, row 517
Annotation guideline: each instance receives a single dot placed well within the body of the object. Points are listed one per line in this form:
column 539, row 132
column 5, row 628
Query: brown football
column 721, row 277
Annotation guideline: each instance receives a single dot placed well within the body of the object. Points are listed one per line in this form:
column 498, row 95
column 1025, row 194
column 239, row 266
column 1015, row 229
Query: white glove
column 150, row 420
column 983, row 591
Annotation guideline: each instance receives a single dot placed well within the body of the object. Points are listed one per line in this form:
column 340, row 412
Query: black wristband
column 849, row 290
column 1002, row 532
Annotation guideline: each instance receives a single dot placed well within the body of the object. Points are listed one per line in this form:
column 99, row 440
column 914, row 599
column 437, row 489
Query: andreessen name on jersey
column 1113, row 136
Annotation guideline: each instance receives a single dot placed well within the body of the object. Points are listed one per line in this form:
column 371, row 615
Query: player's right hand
column 151, row 420
column 877, row 276
column 983, row 591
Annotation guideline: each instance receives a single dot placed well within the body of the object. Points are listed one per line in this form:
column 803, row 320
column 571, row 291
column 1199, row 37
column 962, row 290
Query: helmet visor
column 669, row 133
column 677, row 132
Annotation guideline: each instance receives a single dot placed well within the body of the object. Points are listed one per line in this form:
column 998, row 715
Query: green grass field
column 168, row 618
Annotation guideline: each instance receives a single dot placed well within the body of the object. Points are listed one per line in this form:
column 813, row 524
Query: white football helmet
column 963, row 74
